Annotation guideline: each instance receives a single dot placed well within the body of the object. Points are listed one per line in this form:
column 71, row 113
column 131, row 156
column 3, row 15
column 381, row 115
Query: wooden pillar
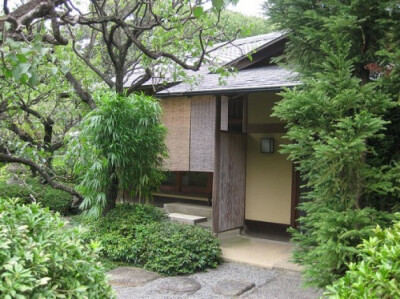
column 295, row 196
column 216, row 175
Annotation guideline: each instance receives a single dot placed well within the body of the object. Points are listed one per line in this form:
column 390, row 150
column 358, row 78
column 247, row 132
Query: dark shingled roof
column 270, row 77
column 225, row 55
column 242, row 47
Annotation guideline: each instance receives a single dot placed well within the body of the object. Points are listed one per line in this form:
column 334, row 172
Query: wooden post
column 216, row 175
column 295, row 197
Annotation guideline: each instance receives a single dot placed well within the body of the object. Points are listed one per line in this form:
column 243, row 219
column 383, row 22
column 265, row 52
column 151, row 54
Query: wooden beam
column 295, row 197
column 266, row 128
column 245, row 108
column 216, row 175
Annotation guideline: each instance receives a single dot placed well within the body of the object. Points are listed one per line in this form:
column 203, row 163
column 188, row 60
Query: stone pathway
column 227, row 281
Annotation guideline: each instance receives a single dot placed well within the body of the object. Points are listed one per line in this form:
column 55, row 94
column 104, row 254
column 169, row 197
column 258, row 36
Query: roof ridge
column 254, row 38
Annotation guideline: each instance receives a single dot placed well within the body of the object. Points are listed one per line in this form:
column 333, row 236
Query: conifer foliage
column 340, row 122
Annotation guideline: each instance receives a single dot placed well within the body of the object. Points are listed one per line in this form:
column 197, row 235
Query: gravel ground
column 268, row 284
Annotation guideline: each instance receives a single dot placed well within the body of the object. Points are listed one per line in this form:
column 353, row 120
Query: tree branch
column 83, row 94
column 5, row 7
column 157, row 54
column 89, row 64
column 25, row 14
column 140, row 81
column 43, row 172
column 21, row 134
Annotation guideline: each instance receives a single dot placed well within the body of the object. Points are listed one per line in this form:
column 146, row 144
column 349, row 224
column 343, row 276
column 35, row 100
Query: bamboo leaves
column 126, row 134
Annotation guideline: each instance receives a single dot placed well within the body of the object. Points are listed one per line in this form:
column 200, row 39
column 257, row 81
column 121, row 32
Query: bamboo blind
column 202, row 133
column 176, row 117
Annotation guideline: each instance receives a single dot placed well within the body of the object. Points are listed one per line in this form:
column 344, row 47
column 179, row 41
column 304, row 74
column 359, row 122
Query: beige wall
column 268, row 176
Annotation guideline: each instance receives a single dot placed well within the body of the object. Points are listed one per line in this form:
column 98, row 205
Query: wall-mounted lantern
column 267, row 145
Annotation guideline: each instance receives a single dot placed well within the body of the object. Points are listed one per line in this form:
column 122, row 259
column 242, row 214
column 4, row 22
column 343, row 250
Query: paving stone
column 232, row 287
column 179, row 285
column 130, row 277
column 288, row 285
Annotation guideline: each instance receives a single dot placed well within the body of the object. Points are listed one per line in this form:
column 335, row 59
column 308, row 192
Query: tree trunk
column 33, row 172
column 111, row 194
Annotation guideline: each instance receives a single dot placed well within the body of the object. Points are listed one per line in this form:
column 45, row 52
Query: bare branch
column 139, row 81
column 27, row 13
column 157, row 54
column 83, row 94
column 109, row 82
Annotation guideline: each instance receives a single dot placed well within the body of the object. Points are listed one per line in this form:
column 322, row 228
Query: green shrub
column 55, row 200
column 172, row 248
column 14, row 191
column 377, row 275
column 138, row 234
column 117, row 231
column 39, row 258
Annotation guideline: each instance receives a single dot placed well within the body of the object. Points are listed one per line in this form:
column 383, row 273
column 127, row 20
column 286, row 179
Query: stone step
column 185, row 218
column 188, row 209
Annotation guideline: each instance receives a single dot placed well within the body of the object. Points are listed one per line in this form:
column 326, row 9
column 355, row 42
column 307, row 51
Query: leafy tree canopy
column 249, row 26
column 124, row 43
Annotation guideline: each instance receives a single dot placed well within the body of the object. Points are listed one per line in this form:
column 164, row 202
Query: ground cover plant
column 377, row 275
column 141, row 235
column 39, row 258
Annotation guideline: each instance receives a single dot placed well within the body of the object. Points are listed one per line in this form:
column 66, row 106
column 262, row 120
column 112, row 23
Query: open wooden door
column 229, row 183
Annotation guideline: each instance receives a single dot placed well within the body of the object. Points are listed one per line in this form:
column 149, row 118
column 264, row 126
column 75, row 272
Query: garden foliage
column 39, row 258
column 117, row 231
column 120, row 147
column 139, row 234
column 172, row 248
column 55, row 200
column 377, row 275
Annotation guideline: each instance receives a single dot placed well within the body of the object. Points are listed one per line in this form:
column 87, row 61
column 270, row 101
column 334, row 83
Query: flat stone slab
column 179, row 285
column 286, row 285
column 130, row 277
column 228, row 287
column 185, row 218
